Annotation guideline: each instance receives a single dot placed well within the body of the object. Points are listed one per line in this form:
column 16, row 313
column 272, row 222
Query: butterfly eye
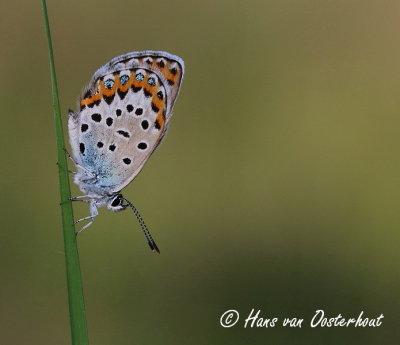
column 117, row 201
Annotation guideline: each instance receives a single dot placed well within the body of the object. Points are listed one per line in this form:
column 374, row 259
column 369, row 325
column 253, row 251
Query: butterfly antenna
column 146, row 231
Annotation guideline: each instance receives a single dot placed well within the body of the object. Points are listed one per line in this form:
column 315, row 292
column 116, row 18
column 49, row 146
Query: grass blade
column 78, row 324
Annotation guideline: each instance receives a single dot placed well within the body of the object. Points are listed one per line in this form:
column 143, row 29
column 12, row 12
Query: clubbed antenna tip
column 149, row 238
column 153, row 247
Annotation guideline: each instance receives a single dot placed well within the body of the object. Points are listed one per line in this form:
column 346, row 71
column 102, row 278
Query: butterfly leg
column 70, row 171
column 78, row 165
column 93, row 214
column 79, row 198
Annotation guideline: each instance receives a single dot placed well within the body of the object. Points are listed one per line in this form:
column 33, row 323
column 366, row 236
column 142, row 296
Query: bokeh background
column 277, row 187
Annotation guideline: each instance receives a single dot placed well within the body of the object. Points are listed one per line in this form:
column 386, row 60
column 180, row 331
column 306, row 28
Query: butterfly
column 124, row 113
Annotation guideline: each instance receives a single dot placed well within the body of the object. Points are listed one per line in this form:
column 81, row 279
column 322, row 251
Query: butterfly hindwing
column 124, row 113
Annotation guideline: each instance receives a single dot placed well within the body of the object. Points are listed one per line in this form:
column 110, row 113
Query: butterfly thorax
column 98, row 195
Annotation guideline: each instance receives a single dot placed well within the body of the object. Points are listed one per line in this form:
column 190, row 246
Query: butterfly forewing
column 124, row 113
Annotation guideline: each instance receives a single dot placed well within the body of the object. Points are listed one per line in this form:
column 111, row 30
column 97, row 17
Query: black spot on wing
column 109, row 99
column 136, row 89
column 123, row 133
column 145, row 124
column 155, row 108
column 147, row 93
column 96, row 117
column 122, row 94
column 142, row 146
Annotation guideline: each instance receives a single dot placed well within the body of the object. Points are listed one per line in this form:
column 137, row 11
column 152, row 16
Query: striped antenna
column 146, row 231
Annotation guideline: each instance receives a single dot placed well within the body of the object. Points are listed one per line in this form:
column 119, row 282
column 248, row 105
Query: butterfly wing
column 124, row 113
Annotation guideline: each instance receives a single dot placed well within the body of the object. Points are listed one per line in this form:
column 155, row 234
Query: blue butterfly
column 123, row 116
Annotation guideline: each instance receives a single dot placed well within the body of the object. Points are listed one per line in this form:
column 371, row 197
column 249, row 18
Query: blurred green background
column 277, row 187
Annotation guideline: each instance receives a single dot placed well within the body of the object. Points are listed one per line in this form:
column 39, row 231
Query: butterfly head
column 115, row 203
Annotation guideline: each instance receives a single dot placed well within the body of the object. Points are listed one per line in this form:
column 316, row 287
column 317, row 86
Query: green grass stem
column 79, row 334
